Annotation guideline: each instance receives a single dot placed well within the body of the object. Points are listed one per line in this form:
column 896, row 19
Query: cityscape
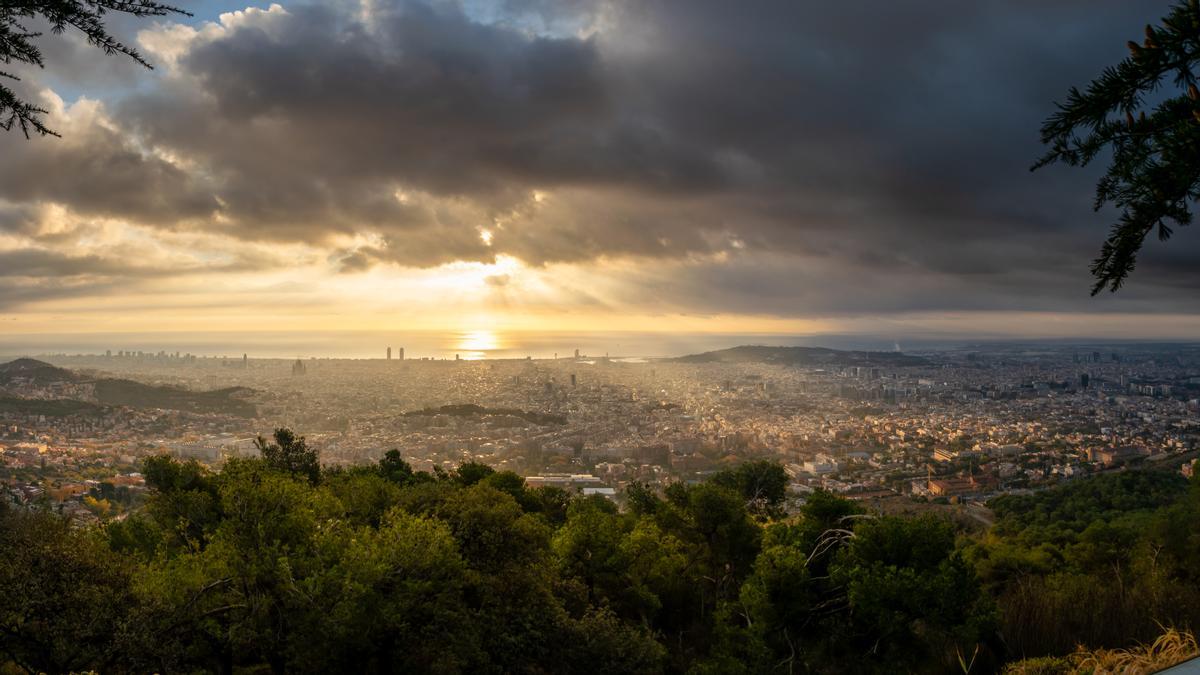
column 953, row 427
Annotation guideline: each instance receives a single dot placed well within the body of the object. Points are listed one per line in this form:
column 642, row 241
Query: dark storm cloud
column 15, row 293
column 47, row 264
column 884, row 147
column 40, row 263
column 97, row 169
column 31, row 275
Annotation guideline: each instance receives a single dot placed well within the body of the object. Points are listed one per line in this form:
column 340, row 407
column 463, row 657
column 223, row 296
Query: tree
column 18, row 43
column 470, row 473
column 290, row 454
column 914, row 603
column 247, row 595
column 365, row 495
column 1154, row 174
column 640, row 498
column 183, row 505
column 763, row 484
column 393, row 467
column 68, row 601
column 390, row 600
column 588, row 547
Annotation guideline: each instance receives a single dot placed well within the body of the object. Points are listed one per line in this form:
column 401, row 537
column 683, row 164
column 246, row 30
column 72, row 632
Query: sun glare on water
column 477, row 343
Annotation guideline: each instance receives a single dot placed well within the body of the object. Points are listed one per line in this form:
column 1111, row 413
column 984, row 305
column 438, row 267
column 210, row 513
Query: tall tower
column 389, row 354
column 402, row 353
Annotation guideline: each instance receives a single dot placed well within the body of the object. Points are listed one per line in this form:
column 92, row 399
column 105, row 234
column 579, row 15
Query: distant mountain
column 35, row 372
column 803, row 356
column 118, row 392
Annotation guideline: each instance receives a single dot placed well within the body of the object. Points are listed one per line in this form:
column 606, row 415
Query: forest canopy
column 279, row 563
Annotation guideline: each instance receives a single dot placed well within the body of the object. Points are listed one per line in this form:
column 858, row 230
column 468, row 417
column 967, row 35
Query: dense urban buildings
column 952, row 425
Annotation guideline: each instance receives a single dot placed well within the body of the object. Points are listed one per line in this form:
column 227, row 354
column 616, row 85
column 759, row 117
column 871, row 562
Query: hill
column 35, row 372
column 803, row 356
column 49, row 408
column 120, row 392
column 472, row 410
column 226, row 401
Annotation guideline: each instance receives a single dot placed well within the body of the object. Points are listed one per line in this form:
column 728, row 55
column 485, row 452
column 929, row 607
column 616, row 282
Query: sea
column 476, row 344
column 492, row 344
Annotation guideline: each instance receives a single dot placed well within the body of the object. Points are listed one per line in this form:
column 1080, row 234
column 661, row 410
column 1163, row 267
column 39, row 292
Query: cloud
column 100, row 170
column 797, row 158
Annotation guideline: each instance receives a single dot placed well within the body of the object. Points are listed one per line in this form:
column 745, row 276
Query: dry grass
column 1170, row 648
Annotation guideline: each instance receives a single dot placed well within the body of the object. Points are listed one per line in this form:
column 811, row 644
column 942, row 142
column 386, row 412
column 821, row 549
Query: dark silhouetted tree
column 1154, row 174
column 290, row 454
column 394, row 468
column 68, row 601
column 763, row 484
column 470, row 473
column 18, row 43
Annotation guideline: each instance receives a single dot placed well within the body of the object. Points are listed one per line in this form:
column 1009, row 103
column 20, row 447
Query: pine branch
column 86, row 16
column 1154, row 174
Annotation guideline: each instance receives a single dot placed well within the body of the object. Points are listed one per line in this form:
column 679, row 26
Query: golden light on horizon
column 476, row 344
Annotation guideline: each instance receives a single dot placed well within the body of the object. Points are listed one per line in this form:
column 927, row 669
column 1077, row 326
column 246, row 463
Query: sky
column 695, row 166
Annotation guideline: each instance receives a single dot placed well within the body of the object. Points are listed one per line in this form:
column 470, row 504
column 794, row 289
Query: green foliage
column 1073, row 506
column 891, row 595
column 68, row 604
column 470, row 473
column 393, row 467
column 381, row 569
column 641, row 499
column 763, row 484
column 289, row 453
column 1100, row 562
column 185, row 507
column 913, row 599
column 604, row 645
column 390, row 599
column 1154, row 174
column 365, row 495
column 1044, row 665
column 589, row 548
column 550, row 502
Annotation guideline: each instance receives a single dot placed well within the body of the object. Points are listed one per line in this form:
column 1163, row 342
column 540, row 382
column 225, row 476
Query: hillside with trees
column 280, row 564
column 19, row 374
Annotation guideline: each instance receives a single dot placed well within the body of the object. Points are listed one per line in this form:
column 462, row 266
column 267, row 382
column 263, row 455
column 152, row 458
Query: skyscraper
column 389, row 352
column 402, row 353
